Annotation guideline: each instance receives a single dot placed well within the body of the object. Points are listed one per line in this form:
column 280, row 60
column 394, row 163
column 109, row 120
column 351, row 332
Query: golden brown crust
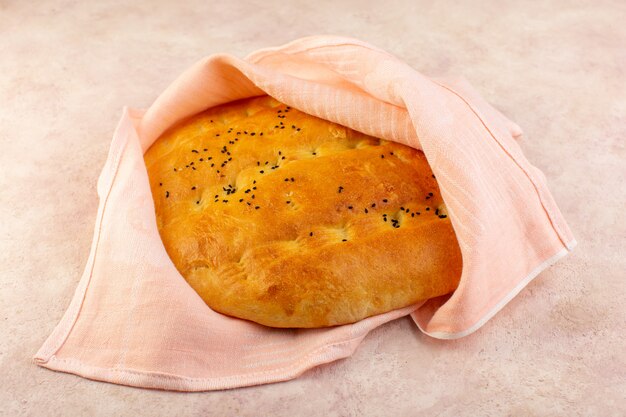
column 278, row 217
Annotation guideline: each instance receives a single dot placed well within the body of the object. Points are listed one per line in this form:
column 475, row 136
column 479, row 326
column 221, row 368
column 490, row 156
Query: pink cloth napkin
column 134, row 320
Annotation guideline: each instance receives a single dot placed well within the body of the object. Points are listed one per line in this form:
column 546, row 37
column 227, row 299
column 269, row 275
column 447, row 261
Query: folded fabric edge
column 504, row 301
column 155, row 380
column 62, row 330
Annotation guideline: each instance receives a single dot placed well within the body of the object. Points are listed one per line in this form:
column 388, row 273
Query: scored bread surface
column 288, row 220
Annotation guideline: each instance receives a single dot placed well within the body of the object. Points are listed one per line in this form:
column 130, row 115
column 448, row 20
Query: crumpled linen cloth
column 134, row 320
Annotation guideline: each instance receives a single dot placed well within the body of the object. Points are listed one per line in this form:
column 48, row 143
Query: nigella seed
column 384, row 200
column 382, row 156
column 167, row 194
column 402, row 208
column 430, row 194
column 339, row 189
column 240, row 200
column 253, row 181
column 407, row 210
column 443, row 216
column 205, row 149
column 252, row 134
column 261, row 134
column 311, row 234
column 225, row 201
column 298, row 129
column 247, row 191
column 384, row 219
column 412, row 214
column 288, row 202
column 256, row 207
column 366, row 211
column 174, row 169
column 212, row 165
column 286, row 179
column 373, row 205
column 252, row 196
column 254, row 188
column 194, row 151
column 216, row 195
column 350, row 207
column 201, row 159
column 194, row 168
column 193, row 188
column 282, row 157
column 160, row 184
column 198, row 202
column 344, row 240
column 261, row 171
column 427, row 208
column 248, row 203
column 292, row 180
column 437, row 211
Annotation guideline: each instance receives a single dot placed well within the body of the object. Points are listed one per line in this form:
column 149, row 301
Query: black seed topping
column 344, row 240
column 384, row 200
column 288, row 202
column 256, row 207
column 194, row 151
column 193, row 188
column 366, row 211
column 373, row 205
column 430, row 194
column 350, row 207
column 442, row 216
column 167, row 194
column 382, row 156
column 339, row 189
column 160, row 184
column 427, row 208
column 311, row 234
column 261, row 171
column 240, row 200
column 198, row 202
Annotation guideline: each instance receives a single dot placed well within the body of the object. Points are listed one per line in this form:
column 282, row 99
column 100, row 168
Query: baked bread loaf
column 288, row 220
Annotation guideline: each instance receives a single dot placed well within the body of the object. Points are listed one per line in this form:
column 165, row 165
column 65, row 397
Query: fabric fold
column 134, row 320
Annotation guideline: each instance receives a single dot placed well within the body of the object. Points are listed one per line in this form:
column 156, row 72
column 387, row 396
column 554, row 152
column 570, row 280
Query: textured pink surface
column 557, row 70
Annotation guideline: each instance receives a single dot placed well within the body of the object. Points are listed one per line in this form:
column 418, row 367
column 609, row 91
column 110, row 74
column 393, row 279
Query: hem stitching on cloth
column 112, row 162
column 504, row 300
column 297, row 368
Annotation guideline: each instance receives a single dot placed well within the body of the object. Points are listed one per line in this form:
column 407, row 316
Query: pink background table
column 556, row 68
